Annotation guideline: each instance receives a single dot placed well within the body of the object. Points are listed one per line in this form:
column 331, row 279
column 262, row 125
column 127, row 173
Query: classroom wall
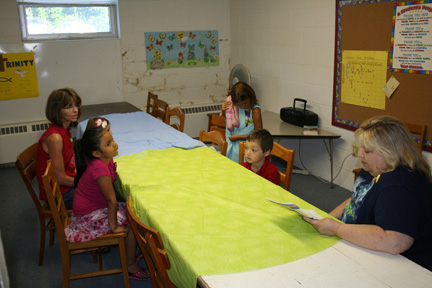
column 113, row 70
column 288, row 46
column 181, row 86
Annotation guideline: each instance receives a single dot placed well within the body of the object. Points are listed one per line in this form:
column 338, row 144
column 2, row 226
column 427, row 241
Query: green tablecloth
column 212, row 214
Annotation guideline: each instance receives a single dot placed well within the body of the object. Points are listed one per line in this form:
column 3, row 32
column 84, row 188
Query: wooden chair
column 417, row 131
column 217, row 123
column 150, row 102
column 67, row 249
column 216, row 138
column 159, row 109
column 280, row 152
column 177, row 112
column 26, row 165
column 151, row 246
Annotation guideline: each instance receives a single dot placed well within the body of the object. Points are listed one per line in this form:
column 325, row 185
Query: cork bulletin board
column 365, row 30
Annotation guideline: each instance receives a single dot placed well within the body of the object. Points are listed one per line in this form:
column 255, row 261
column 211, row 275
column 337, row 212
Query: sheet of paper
column 391, row 86
column 303, row 212
column 364, row 73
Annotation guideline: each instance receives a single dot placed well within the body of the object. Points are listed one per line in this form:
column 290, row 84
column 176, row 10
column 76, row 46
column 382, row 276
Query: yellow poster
column 18, row 76
column 363, row 78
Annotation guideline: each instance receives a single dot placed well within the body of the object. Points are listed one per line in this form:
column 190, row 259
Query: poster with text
column 412, row 38
column 181, row 49
column 363, row 77
column 18, row 77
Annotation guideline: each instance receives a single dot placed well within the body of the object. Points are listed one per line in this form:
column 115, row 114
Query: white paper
column 303, row 212
column 391, row 86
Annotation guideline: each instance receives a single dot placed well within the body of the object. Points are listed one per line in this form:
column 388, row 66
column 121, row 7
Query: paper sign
column 391, row 86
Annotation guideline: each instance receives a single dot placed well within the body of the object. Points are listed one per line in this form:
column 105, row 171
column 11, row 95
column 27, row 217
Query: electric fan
column 239, row 73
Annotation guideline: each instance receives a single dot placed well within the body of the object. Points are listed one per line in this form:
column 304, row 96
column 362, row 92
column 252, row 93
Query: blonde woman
column 390, row 207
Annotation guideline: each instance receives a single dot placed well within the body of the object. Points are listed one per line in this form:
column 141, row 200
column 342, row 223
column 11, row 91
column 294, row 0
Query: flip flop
column 135, row 276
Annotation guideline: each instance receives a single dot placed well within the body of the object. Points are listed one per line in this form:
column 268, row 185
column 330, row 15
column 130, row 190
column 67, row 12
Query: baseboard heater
column 196, row 118
column 15, row 137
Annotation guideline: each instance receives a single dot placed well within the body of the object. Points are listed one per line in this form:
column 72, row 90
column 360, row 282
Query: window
column 67, row 19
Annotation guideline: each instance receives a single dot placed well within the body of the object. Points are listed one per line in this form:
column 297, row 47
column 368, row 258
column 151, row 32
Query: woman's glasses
column 71, row 106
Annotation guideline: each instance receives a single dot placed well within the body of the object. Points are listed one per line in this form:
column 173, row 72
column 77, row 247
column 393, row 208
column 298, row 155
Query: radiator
column 197, row 119
column 14, row 138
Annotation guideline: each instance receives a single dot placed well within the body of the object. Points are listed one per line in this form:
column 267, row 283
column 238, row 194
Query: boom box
column 297, row 116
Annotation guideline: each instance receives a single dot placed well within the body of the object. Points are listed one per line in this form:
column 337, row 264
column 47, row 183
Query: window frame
column 26, row 37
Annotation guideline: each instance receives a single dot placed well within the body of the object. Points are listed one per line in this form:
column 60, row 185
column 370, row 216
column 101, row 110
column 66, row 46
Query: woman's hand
column 367, row 236
column 226, row 105
column 325, row 226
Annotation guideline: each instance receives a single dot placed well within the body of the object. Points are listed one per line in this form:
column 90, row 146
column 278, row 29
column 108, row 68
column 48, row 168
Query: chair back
column 159, row 109
column 177, row 112
column 151, row 246
column 26, row 165
column 150, row 102
column 214, row 137
column 217, row 123
column 56, row 203
column 288, row 156
column 281, row 152
column 417, row 131
column 160, row 258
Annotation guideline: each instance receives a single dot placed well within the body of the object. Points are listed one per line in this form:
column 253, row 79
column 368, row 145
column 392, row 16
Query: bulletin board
column 364, row 30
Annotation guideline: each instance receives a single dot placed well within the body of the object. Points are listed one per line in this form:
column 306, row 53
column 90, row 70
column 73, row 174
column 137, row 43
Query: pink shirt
column 88, row 196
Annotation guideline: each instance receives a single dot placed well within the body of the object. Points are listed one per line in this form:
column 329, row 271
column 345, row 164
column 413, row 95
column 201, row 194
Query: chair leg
column 100, row 259
column 42, row 244
column 123, row 260
column 52, row 231
column 95, row 257
column 66, row 270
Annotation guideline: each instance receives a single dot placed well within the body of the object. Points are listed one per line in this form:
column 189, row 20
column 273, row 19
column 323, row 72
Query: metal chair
column 67, row 249
column 280, row 152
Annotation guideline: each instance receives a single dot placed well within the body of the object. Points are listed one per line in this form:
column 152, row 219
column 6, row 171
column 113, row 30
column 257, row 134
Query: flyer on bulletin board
column 18, row 77
column 363, row 77
column 412, row 38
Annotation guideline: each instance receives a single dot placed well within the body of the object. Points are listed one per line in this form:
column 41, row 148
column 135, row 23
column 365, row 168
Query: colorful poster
column 18, row 77
column 363, row 78
column 412, row 38
column 181, row 49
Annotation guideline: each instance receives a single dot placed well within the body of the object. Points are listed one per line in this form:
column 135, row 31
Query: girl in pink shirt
column 96, row 211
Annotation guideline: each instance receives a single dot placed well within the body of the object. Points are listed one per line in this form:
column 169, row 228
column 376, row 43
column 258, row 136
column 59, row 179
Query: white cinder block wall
column 181, row 86
column 114, row 70
column 288, row 45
